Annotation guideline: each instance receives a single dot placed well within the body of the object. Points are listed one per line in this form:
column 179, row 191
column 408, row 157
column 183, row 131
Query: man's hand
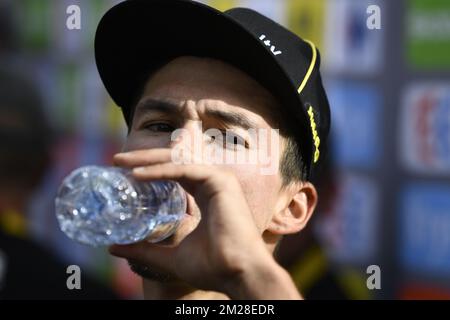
column 225, row 252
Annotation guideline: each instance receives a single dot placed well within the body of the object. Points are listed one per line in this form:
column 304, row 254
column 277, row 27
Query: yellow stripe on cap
column 311, row 66
column 316, row 139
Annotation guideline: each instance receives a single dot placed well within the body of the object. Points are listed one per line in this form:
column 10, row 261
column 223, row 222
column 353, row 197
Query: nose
column 188, row 139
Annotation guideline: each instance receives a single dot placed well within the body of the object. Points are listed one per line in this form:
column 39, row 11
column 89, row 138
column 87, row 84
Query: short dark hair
column 292, row 166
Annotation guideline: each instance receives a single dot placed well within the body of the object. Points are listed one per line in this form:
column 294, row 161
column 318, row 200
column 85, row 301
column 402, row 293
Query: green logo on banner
column 428, row 33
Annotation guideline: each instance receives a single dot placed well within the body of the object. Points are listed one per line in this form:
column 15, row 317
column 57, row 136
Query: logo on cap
column 316, row 138
column 267, row 43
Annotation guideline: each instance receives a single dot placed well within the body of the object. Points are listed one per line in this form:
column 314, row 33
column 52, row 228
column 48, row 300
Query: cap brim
column 135, row 37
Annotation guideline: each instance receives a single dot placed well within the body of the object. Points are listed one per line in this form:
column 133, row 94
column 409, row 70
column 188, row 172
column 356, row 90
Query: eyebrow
column 149, row 105
column 233, row 118
column 229, row 117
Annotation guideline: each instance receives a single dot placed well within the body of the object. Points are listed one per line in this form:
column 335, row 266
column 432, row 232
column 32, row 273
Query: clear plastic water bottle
column 98, row 205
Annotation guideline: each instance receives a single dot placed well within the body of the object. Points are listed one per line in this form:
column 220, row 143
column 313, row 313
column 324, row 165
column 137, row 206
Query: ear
column 300, row 200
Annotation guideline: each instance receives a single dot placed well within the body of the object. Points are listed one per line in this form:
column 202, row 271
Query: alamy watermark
column 258, row 147
column 74, row 279
column 73, row 21
column 374, row 279
column 373, row 21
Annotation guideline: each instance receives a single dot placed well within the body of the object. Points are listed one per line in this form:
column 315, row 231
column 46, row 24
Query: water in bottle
column 98, row 205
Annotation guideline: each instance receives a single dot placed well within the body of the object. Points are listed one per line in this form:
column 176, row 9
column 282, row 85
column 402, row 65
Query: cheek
column 260, row 191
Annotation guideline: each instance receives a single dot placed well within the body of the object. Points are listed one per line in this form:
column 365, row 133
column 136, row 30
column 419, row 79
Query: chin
column 187, row 225
column 151, row 274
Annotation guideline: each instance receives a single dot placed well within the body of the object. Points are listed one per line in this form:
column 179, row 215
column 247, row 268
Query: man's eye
column 159, row 127
column 234, row 140
column 229, row 140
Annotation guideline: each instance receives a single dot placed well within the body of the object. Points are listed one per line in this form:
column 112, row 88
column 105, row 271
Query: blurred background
column 385, row 194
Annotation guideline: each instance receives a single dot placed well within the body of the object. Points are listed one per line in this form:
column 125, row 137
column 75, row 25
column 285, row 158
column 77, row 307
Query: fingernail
column 121, row 154
column 139, row 169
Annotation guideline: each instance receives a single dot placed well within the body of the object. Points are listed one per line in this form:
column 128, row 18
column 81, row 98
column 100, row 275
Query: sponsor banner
column 425, row 128
column 36, row 27
column 275, row 10
column 423, row 291
column 221, row 5
column 357, row 124
column 428, row 33
column 350, row 45
column 349, row 231
column 307, row 18
column 424, row 243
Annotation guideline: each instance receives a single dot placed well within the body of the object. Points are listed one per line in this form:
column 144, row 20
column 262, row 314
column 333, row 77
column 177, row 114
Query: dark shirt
column 31, row 272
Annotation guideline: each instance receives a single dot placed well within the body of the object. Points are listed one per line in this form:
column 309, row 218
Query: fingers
column 198, row 180
column 172, row 171
column 142, row 157
column 156, row 164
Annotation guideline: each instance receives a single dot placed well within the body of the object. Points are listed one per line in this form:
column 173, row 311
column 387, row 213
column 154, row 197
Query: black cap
column 136, row 37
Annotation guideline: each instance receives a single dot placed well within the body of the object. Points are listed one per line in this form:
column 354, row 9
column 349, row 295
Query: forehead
column 206, row 79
